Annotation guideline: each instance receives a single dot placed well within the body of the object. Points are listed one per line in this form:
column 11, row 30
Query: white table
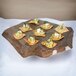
column 12, row 64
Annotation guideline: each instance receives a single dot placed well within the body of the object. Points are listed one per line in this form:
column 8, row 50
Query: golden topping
column 35, row 21
column 56, row 36
column 31, row 41
column 61, row 29
column 46, row 26
column 19, row 35
column 25, row 28
column 49, row 43
column 39, row 32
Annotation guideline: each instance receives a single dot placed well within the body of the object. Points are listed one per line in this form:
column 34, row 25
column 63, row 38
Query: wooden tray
column 26, row 50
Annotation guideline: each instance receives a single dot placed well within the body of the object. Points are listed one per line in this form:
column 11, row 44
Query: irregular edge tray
column 44, row 54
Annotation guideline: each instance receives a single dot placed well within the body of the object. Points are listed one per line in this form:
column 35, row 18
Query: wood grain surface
column 26, row 50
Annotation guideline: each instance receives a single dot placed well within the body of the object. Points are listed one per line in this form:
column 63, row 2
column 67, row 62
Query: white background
column 12, row 64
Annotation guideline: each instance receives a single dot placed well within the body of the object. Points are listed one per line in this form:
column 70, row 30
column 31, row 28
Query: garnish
column 61, row 29
column 49, row 43
column 31, row 41
column 39, row 32
column 46, row 26
column 56, row 36
column 19, row 35
column 25, row 28
column 35, row 21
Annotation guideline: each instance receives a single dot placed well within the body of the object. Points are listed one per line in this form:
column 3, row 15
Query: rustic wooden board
column 26, row 50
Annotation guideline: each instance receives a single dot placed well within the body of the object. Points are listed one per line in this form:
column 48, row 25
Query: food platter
column 47, row 42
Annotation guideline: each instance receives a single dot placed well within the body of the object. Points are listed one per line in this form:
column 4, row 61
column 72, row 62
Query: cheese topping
column 35, row 21
column 61, row 29
column 56, row 36
column 25, row 28
column 31, row 41
column 39, row 32
column 49, row 43
column 19, row 35
column 46, row 26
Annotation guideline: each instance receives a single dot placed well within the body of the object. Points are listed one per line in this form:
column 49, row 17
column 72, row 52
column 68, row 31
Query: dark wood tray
column 26, row 50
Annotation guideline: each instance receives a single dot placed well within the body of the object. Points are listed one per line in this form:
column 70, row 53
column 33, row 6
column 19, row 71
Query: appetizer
column 56, row 36
column 61, row 29
column 34, row 21
column 49, row 43
column 39, row 32
column 25, row 28
column 31, row 40
column 19, row 35
column 46, row 26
